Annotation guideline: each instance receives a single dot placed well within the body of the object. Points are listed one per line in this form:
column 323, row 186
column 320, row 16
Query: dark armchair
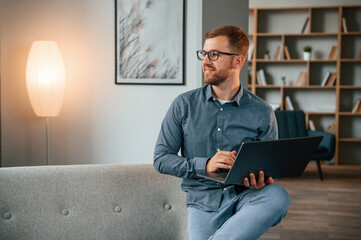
column 292, row 124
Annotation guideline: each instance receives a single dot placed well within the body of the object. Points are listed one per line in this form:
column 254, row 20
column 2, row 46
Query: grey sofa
column 91, row 202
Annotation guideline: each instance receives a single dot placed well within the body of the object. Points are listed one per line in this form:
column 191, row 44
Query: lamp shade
column 45, row 78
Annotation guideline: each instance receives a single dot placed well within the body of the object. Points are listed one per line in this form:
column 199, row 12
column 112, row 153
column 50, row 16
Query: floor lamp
column 45, row 82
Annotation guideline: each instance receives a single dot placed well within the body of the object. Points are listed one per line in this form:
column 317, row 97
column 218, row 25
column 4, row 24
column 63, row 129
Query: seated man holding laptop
column 208, row 125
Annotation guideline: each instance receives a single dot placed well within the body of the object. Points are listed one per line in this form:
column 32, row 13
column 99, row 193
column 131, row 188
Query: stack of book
column 261, row 78
column 302, row 79
column 281, row 51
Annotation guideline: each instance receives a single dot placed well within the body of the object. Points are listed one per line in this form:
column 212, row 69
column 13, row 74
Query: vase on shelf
column 307, row 53
column 306, row 56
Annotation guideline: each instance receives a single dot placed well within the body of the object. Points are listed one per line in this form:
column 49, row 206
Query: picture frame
column 149, row 42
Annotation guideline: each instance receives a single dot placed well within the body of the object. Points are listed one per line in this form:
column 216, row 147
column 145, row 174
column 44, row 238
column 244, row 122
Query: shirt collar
column 236, row 99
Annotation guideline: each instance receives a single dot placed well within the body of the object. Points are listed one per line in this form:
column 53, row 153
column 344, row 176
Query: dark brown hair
column 238, row 40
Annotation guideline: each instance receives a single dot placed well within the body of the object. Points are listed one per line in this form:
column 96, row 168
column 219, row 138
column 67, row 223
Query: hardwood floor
column 322, row 210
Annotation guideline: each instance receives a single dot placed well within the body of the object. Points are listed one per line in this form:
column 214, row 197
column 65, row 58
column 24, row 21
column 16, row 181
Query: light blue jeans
column 244, row 216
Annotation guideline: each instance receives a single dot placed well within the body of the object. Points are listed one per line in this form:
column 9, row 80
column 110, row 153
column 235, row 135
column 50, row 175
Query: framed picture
column 149, row 42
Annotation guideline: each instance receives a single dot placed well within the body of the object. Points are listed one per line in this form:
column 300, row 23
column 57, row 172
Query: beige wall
column 100, row 122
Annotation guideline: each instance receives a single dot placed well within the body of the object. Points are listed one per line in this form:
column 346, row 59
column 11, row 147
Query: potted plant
column 283, row 81
column 307, row 52
column 266, row 54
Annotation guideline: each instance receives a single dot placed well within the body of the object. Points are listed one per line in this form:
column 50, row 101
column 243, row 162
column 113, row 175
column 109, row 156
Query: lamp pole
column 47, row 140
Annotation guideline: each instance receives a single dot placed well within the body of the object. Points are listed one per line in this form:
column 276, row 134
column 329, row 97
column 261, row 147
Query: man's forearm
column 178, row 166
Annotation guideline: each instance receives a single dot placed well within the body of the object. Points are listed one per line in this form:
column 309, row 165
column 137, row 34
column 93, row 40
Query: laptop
column 277, row 158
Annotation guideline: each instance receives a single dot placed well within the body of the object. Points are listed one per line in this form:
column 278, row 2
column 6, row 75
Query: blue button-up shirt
column 198, row 125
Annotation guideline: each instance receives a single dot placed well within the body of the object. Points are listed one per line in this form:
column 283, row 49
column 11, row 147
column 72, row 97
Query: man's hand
column 222, row 159
column 253, row 184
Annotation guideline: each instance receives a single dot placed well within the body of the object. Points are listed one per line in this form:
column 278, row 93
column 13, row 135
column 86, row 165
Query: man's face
column 216, row 72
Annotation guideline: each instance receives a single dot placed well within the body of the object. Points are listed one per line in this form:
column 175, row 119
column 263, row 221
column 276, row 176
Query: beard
column 215, row 78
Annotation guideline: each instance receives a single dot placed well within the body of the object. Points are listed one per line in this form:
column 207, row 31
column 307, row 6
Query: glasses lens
column 200, row 54
column 213, row 55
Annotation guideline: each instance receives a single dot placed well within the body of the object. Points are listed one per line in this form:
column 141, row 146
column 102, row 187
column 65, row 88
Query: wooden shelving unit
column 323, row 104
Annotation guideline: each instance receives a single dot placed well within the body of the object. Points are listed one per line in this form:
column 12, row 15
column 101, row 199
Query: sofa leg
column 319, row 169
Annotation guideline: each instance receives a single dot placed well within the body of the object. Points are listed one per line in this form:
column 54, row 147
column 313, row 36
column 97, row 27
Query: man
column 208, row 124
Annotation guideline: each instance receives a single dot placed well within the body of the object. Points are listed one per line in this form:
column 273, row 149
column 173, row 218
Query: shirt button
column 219, row 129
column 221, row 109
column 218, row 150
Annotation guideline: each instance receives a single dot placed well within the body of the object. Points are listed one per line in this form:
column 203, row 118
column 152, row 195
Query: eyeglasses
column 213, row 55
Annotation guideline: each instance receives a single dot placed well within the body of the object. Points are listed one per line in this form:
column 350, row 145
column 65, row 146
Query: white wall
column 100, row 122
column 300, row 3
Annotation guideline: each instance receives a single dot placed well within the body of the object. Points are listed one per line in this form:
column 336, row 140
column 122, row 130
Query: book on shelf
column 344, row 25
column 277, row 52
column 305, row 25
column 332, row 53
column 280, row 56
column 311, row 125
column 250, row 52
column 331, row 80
column 357, row 107
column 287, row 53
column 258, row 79
column 261, row 78
column 331, row 128
column 301, row 79
column 288, row 104
column 325, row 79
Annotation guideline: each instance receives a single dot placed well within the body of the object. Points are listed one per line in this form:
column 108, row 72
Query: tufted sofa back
column 91, row 202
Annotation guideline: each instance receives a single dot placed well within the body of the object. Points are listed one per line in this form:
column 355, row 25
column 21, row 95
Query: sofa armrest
column 328, row 141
